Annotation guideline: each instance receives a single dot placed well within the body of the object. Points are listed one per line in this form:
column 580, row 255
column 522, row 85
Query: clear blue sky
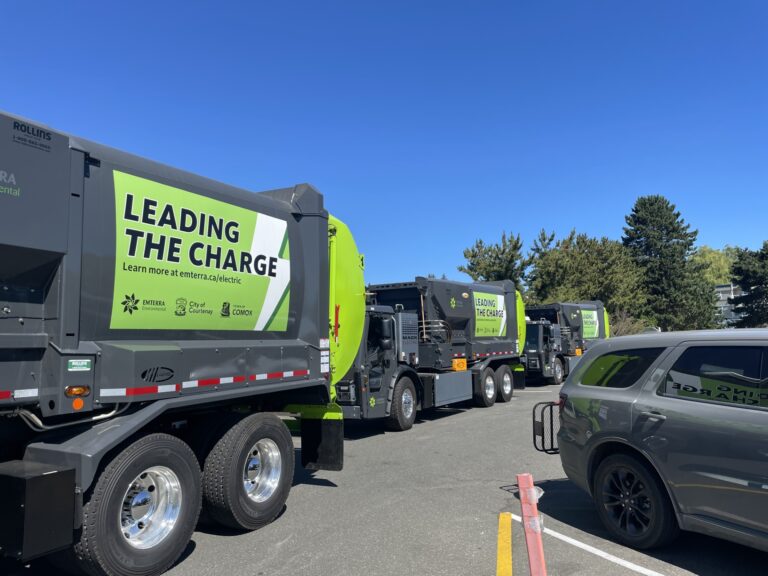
column 426, row 124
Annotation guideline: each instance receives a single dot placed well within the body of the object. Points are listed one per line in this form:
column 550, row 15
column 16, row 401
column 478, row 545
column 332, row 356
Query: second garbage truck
column 430, row 343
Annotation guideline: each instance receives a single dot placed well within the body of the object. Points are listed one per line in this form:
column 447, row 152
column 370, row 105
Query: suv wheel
column 632, row 504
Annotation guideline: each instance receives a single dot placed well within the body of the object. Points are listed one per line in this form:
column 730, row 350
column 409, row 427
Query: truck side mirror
column 387, row 330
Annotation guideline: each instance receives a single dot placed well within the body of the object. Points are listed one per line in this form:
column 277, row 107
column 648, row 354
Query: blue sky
column 426, row 124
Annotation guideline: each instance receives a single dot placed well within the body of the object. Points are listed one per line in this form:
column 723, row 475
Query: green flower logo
column 130, row 304
column 453, row 302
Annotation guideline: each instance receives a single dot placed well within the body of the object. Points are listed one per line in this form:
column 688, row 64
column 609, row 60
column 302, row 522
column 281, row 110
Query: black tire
column 484, row 396
column 261, row 441
column 639, row 514
column 402, row 415
column 102, row 549
column 558, row 374
column 505, row 383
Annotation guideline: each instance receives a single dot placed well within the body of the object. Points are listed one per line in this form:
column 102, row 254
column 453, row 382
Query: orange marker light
column 77, row 404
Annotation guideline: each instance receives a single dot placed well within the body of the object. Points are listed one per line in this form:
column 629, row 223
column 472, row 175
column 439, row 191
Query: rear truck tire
column 632, row 503
column 485, row 395
column 557, row 372
column 141, row 511
column 248, row 474
column 402, row 415
column 505, row 383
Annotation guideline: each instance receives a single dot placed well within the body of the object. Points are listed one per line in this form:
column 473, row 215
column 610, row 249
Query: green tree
column 579, row 267
column 500, row 261
column 750, row 272
column 662, row 245
column 716, row 264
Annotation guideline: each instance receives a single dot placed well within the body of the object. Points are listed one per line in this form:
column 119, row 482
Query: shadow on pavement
column 697, row 553
column 303, row 476
column 362, row 429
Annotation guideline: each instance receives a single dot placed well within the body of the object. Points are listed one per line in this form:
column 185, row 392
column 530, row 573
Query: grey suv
column 670, row 431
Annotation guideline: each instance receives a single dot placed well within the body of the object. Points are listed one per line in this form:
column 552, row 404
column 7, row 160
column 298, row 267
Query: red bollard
column 529, row 498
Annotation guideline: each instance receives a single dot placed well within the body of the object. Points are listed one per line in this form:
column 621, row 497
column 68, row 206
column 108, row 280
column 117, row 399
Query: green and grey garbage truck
column 557, row 335
column 430, row 343
column 155, row 329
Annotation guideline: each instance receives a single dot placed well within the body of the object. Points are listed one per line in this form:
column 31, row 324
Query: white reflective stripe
column 189, row 384
column 112, row 392
column 288, row 374
column 226, row 380
column 261, row 376
column 27, row 393
column 166, row 388
column 325, row 343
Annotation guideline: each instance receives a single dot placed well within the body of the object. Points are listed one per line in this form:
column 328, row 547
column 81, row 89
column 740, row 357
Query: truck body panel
column 150, row 282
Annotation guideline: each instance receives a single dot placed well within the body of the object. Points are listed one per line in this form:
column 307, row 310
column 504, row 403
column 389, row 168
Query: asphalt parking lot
column 427, row 501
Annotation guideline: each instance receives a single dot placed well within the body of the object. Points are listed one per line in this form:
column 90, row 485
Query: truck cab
column 544, row 351
column 389, row 348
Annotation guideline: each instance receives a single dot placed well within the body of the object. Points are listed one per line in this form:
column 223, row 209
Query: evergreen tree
column 501, row 261
column 662, row 245
column 750, row 272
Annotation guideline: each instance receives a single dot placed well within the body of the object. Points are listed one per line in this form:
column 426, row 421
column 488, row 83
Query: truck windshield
column 542, row 314
column 532, row 336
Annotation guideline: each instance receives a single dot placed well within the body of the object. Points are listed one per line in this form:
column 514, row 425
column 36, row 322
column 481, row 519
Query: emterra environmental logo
column 8, row 185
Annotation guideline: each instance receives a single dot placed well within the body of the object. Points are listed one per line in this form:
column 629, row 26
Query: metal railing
column 546, row 424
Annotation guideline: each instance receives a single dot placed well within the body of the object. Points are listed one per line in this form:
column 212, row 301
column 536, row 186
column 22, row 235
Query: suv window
column 726, row 374
column 619, row 369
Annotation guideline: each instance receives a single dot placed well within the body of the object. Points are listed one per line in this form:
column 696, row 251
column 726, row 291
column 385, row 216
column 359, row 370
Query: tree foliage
column 716, row 263
column 579, row 267
column 500, row 261
column 662, row 245
column 750, row 272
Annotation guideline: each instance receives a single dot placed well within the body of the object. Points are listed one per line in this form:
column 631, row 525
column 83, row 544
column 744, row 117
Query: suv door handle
column 654, row 416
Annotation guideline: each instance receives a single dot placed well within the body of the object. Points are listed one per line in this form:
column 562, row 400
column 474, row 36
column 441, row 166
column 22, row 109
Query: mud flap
column 518, row 376
column 322, row 436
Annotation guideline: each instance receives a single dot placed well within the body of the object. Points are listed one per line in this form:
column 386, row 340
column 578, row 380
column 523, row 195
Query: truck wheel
column 504, row 383
column 485, row 395
column 557, row 372
column 249, row 472
column 403, row 412
column 142, row 509
column 632, row 504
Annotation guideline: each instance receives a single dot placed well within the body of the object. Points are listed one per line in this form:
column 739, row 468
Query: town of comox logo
column 130, row 304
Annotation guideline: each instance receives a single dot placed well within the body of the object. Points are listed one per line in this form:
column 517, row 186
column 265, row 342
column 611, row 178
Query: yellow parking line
column 504, row 546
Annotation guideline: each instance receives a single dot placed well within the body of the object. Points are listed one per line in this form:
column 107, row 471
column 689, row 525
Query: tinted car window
column 727, row 374
column 619, row 369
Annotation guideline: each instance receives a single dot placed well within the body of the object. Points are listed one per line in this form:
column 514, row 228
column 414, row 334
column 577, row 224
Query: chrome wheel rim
column 558, row 371
column 506, row 384
column 262, row 470
column 407, row 404
column 151, row 507
column 490, row 386
column 627, row 502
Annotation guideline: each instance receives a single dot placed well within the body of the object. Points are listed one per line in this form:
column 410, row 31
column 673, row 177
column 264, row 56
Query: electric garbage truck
column 430, row 343
column 153, row 324
column 558, row 334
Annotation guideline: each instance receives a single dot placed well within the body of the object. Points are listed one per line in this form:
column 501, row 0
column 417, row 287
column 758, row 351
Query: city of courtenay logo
column 130, row 304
